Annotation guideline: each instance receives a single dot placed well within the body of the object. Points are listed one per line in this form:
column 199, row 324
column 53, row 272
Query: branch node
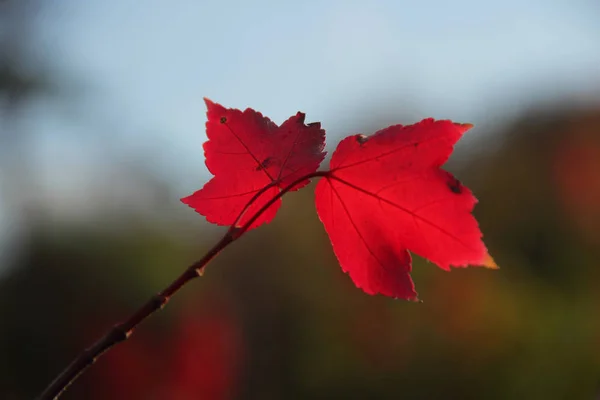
column 119, row 334
column 159, row 301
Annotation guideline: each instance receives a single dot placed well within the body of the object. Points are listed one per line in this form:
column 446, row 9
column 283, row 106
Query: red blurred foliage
column 577, row 175
column 198, row 358
column 207, row 356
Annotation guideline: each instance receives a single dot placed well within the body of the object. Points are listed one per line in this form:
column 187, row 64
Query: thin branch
column 124, row 330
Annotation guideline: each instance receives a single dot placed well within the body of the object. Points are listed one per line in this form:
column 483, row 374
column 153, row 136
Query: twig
column 124, row 330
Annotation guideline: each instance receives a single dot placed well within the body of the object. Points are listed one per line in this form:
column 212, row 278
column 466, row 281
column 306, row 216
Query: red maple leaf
column 246, row 152
column 386, row 194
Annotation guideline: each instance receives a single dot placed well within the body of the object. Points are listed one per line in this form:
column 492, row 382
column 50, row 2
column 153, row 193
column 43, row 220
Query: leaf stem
column 233, row 226
column 121, row 332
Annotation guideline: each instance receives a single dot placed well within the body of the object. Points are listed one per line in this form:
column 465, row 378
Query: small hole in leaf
column 223, row 120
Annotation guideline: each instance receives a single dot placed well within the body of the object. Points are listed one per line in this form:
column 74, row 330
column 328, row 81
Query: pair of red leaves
column 384, row 194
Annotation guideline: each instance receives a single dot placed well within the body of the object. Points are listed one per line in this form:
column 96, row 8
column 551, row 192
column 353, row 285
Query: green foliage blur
column 274, row 316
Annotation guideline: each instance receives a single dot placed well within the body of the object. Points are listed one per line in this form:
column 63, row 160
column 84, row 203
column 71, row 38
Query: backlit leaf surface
column 245, row 152
column 386, row 195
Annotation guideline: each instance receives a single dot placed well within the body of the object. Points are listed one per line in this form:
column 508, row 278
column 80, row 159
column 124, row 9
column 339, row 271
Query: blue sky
column 148, row 65
column 141, row 70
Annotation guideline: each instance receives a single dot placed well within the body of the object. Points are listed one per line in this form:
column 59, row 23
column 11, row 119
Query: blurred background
column 101, row 128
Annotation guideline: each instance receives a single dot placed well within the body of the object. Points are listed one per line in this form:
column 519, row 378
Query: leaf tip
column 185, row 200
column 489, row 262
column 300, row 117
column 464, row 127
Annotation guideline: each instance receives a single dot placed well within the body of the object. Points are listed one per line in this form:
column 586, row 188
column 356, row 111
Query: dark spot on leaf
column 416, row 144
column 223, row 120
column 361, row 138
column 454, row 185
column 265, row 164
